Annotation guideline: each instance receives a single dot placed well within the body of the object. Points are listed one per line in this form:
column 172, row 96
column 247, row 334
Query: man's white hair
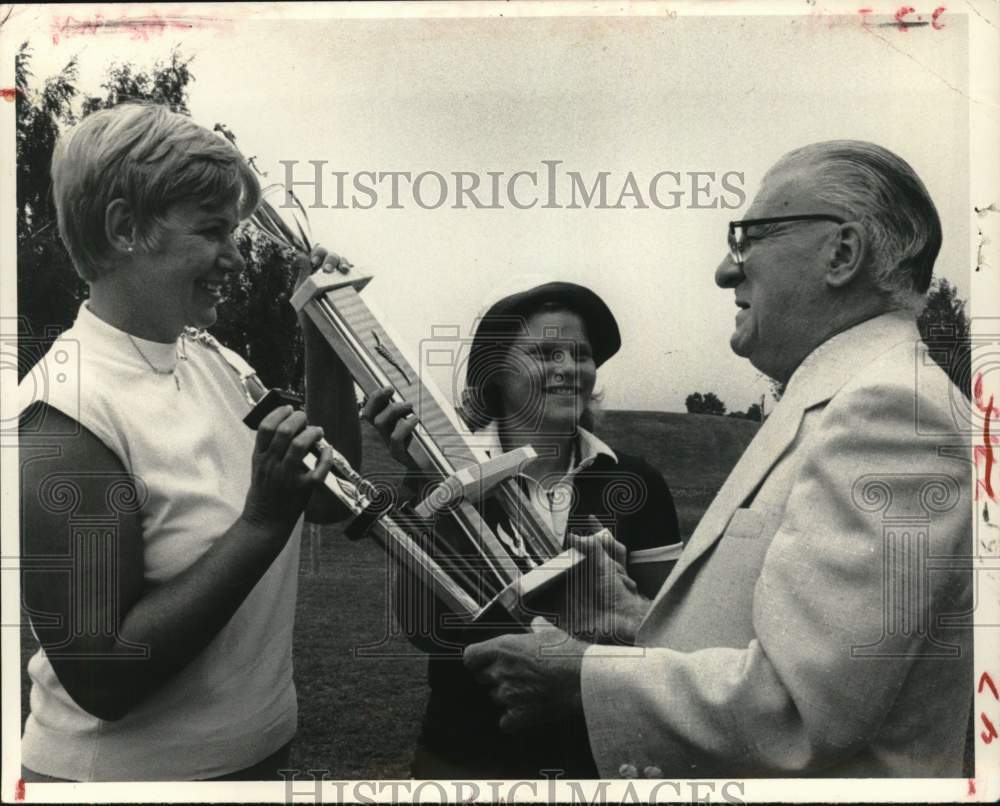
column 882, row 192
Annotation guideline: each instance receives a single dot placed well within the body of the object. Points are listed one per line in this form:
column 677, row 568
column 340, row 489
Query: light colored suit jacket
column 816, row 623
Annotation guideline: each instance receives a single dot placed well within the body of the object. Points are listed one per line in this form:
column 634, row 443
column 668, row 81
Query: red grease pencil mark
column 140, row 28
column 987, row 737
column 8, row 93
column 986, row 680
column 972, row 787
column 902, row 12
column 19, row 789
column 900, row 23
column 986, row 449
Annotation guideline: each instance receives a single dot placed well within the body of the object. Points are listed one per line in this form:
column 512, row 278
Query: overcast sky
column 641, row 95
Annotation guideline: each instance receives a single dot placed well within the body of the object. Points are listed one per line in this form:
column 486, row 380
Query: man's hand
column 533, row 678
column 610, row 608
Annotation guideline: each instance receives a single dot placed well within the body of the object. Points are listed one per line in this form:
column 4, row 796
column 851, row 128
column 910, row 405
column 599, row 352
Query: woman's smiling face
column 549, row 375
column 178, row 281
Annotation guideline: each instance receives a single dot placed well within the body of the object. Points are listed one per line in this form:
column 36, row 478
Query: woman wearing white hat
column 530, row 380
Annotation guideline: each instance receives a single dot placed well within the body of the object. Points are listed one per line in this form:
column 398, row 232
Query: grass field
column 361, row 687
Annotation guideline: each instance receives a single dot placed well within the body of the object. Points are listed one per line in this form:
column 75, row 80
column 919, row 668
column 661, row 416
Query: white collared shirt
column 553, row 501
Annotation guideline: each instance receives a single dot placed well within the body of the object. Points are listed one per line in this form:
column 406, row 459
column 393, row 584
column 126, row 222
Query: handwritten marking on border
column 900, row 19
column 986, row 448
column 140, row 28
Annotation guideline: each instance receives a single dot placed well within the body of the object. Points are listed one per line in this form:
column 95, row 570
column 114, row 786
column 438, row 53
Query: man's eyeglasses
column 739, row 239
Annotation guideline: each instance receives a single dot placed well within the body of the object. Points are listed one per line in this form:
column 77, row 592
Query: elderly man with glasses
column 818, row 621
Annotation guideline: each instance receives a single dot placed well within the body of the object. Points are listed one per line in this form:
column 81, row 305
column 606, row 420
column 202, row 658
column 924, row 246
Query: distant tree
column 945, row 329
column 256, row 321
column 166, row 83
column 752, row 413
column 708, row 403
column 48, row 289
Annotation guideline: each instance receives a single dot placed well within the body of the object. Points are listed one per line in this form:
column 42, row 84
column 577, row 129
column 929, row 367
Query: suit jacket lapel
column 775, row 435
column 819, row 377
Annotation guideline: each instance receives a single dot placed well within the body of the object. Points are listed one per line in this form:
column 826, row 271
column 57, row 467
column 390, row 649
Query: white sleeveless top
column 234, row 704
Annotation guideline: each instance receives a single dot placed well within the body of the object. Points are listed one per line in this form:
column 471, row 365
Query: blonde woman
column 160, row 535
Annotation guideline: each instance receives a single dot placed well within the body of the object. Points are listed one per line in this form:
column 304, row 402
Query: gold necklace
column 180, row 356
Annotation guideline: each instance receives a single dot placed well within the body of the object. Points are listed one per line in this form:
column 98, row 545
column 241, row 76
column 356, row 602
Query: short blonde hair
column 152, row 158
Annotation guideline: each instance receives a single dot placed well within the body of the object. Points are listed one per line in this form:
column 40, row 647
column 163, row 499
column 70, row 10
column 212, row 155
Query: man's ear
column 119, row 226
column 848, row 257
